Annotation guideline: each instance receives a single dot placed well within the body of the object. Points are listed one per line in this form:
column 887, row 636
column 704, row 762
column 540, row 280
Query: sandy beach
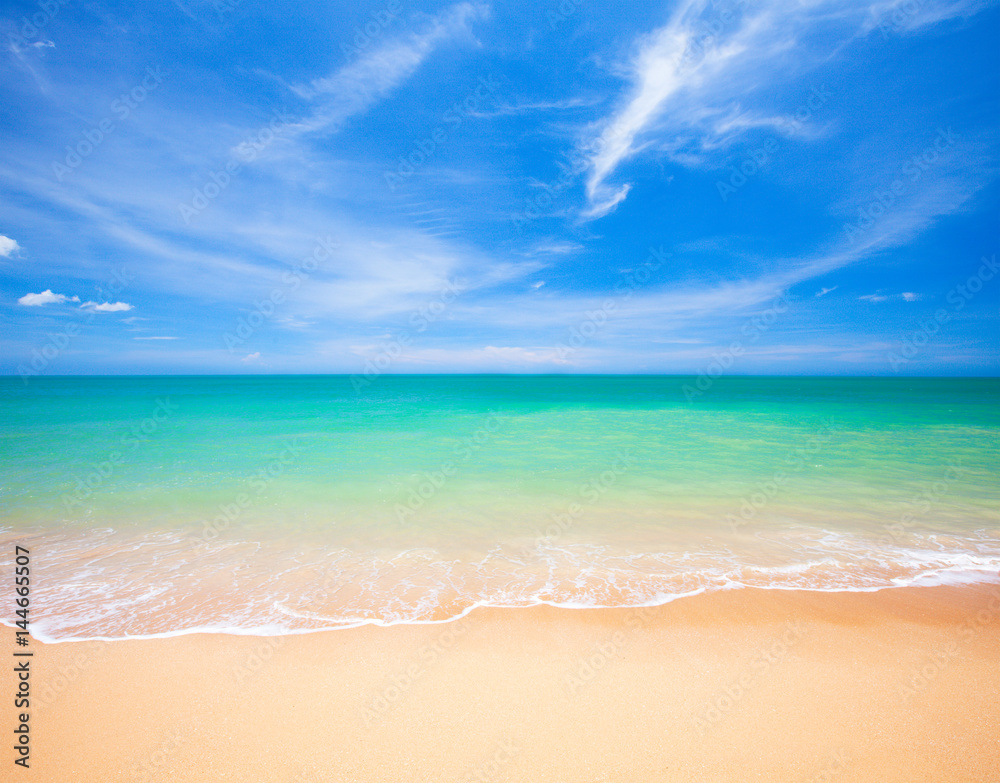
column 472, row 392
column 743, row 685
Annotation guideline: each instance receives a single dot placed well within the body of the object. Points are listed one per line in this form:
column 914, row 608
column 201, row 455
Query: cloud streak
column 691, row 81
column 356, row 87
column 44, row 298
column 107, row 307
column 48, row 297
column 8, row 246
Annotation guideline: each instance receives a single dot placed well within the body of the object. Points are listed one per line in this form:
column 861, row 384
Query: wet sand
column 743, row 685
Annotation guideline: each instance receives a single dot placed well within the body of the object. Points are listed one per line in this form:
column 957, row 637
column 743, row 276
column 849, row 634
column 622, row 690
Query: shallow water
column 158, row 505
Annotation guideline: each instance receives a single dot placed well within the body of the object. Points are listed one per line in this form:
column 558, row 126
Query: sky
column 241, row 186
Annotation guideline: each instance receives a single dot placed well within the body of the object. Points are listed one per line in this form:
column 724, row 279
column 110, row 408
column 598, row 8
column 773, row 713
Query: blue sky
column 240, row 186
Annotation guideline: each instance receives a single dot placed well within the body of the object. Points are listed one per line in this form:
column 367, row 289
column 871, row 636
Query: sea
column 268, row 505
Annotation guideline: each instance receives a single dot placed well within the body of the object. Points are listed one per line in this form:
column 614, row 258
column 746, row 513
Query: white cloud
column 650, row 307
column 907, row 296
column 892, row 17
column 608, row 202
column 674, row 73
column 8, row 246
column 825, row 291
column 46, row 297
column 691, row 80
column 355, row 87
column 511, row 357
column 531, row 106
column 401, row 273
column 293, row 322
column 107, row 307
column 555, row 247
column 374, row 269
column 251, row 357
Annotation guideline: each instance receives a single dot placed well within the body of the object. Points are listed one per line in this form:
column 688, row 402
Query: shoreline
column 749, row 684
column 980, row 580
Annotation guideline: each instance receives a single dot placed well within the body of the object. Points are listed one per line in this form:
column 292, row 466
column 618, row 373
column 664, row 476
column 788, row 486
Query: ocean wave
column 112, row 585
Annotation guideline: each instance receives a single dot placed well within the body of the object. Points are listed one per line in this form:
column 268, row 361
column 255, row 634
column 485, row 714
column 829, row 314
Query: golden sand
column 744, row 685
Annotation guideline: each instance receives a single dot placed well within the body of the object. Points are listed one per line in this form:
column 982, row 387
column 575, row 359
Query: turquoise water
column 272, row 504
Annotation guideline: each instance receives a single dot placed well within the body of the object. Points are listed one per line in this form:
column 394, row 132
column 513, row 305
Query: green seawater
column 419, row 496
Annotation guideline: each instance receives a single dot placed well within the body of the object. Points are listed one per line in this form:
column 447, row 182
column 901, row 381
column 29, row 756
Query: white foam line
column 939, row 578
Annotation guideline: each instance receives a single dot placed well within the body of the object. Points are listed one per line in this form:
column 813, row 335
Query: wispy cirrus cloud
column 686, row 304
column 693, row 83
column 702, row 87
column 354, row 88
column 678, row 82
column 893, row 16
column 526, row 107
column 906, row 296
column 555, row 247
